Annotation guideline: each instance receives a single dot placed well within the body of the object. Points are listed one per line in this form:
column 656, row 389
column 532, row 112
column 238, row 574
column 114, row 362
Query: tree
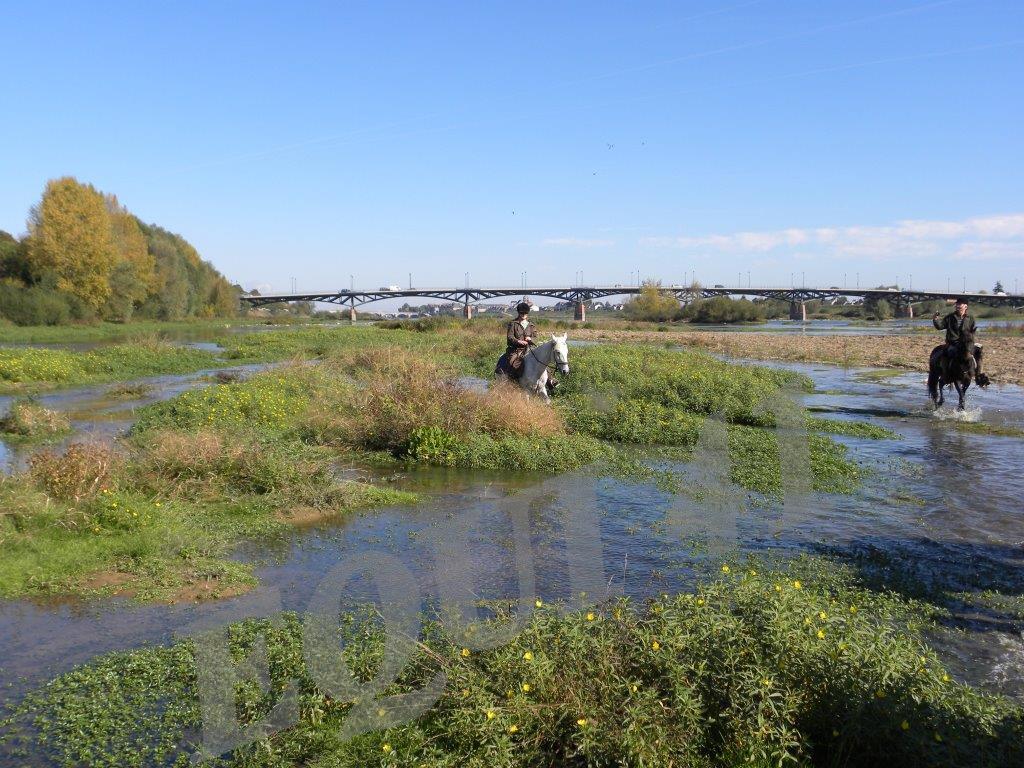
column 652, row 303
column 999, row 287
column 877, row 308
column 70, row 238
column 133, row 276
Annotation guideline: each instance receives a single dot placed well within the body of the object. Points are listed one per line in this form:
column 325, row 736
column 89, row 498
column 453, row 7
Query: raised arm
column 940, row 324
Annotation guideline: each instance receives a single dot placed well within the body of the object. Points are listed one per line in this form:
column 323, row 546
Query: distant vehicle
column 719, row 285
column 834, row 288
column 389, row 288
column 999, row 293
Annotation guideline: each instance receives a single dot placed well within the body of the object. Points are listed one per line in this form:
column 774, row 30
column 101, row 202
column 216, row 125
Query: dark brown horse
column 954, row 366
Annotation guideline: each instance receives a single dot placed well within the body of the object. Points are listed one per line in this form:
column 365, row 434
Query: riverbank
column 1004, row 355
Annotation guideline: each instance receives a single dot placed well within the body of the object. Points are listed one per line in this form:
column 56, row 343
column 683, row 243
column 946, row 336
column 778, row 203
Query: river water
column 940, row 510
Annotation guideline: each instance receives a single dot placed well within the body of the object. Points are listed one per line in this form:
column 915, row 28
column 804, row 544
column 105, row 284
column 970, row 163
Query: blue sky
column 314, row 140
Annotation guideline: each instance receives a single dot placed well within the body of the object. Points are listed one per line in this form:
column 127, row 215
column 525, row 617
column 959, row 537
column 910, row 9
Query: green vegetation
column 372, row 394
column 27, row 420
column 851, row 428
column 33, row 369
column 86, row 257
column 758, row 667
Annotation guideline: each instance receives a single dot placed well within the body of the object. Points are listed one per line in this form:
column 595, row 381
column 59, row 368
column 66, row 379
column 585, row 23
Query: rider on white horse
column 519, row 337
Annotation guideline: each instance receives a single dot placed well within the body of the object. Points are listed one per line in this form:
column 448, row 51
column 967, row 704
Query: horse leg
column 960, row 391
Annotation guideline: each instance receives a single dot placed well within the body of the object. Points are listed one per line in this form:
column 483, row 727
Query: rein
column 533, row 354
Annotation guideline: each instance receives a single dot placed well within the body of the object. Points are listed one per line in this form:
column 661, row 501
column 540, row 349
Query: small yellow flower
column 766, row 683
column 753, row 572
column 490, row 714
column 807, row 621
column 465, row 692
column 525, row 687
column 853, row 609
column 618, row 614
column 700, row 601
column 538, row 602
column 778, row 587
column 634, row 688
column 513, row 729
column 905, row 725
column 938, row 737
column 582, row 722
column 945, row 678
column 656, row 645
column 880, row 694
column 465, row 653
column 387, row 749
column 725, row 569
column 821, row 634
column 528, row 655
column 590, row 617
column 822, row 615
column 797, row 584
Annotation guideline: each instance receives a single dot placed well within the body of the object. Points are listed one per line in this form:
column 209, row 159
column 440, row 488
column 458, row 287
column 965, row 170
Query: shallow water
column 939, row 510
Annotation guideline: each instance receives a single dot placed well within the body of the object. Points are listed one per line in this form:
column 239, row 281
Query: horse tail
column 933, row 381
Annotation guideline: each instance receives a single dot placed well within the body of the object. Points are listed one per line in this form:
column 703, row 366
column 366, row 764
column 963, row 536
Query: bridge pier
column 352, row 315
column 905, row 310
column 798, row 311
column 579, row 312
column 467, row 311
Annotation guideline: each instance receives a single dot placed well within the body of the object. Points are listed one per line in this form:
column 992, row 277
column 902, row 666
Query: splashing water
column 950, row 413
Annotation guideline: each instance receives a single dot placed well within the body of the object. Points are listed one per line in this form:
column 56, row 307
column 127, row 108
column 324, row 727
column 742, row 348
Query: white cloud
column 983, row 237
column 577, row 242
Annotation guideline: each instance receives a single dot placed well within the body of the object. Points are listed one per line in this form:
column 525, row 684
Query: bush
column 28, row 419
column 81, row 472
column 722, row 309
column 34, row 306
column 652, row 304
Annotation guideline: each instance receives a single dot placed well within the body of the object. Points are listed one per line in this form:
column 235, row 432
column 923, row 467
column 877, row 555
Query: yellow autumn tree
column 652, row 303
column 133, row 276
column 70, row 239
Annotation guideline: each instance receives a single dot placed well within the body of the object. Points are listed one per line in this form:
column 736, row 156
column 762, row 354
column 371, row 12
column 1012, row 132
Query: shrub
column 79, row 473
column 29, row 419
column 34, row 306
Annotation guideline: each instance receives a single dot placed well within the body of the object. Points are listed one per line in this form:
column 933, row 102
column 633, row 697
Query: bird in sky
column 610, row 146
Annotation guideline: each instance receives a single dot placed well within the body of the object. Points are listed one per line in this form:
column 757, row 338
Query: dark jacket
column 517, row 333
column 954, row 326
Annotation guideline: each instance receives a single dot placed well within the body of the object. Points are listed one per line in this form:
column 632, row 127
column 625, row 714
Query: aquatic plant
column 759, row 666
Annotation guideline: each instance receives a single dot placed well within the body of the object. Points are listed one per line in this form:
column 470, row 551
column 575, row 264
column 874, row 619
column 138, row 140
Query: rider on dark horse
column 957, row 325
column 519, row 338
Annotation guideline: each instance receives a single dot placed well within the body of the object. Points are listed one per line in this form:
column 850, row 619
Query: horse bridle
column 551, row 366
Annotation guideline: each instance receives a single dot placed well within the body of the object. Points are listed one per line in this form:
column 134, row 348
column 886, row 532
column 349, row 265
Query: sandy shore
column 1004, row 355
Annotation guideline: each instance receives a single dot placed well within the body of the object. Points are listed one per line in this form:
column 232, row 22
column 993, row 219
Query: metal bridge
column 579, row 296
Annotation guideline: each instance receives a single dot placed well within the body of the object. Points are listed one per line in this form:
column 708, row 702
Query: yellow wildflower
column 590, row 616
column 525, row 687
column 656, row 645
column 821, row 634
column 513, row 728
column 387, row 749
column 538, row 602
column 528, row 655
column 797, row 584
column 465, row 653
column 905, row 725
column 822, row 615
column 582, row 722
column 725, row 569
column 490, row 714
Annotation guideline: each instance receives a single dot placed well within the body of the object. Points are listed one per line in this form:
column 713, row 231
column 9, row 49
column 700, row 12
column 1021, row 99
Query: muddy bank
column 1004, row 355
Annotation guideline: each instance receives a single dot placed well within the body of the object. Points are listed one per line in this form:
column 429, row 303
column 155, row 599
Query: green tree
column 652, row 303
column 999, row 287
column 70, row 238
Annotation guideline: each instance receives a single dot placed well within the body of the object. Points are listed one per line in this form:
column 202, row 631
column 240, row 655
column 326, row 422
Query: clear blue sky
column 316, row 140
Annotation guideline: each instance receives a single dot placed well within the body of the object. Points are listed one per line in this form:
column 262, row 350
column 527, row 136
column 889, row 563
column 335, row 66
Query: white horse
column 550, row 354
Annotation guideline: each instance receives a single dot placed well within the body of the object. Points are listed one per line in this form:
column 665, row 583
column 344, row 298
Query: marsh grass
column 761, row 666
column 34, row 369
column 29, row 421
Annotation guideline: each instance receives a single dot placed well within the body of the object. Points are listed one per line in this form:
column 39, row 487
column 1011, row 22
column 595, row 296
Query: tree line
column 86, row 257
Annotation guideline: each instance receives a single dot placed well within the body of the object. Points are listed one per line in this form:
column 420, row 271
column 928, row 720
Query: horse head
column 560, row 352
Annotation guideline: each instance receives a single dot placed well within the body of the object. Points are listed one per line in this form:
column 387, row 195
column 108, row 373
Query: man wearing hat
column 956, row 324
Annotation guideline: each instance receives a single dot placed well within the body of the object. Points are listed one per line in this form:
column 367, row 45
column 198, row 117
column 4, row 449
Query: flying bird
column 610, row 146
